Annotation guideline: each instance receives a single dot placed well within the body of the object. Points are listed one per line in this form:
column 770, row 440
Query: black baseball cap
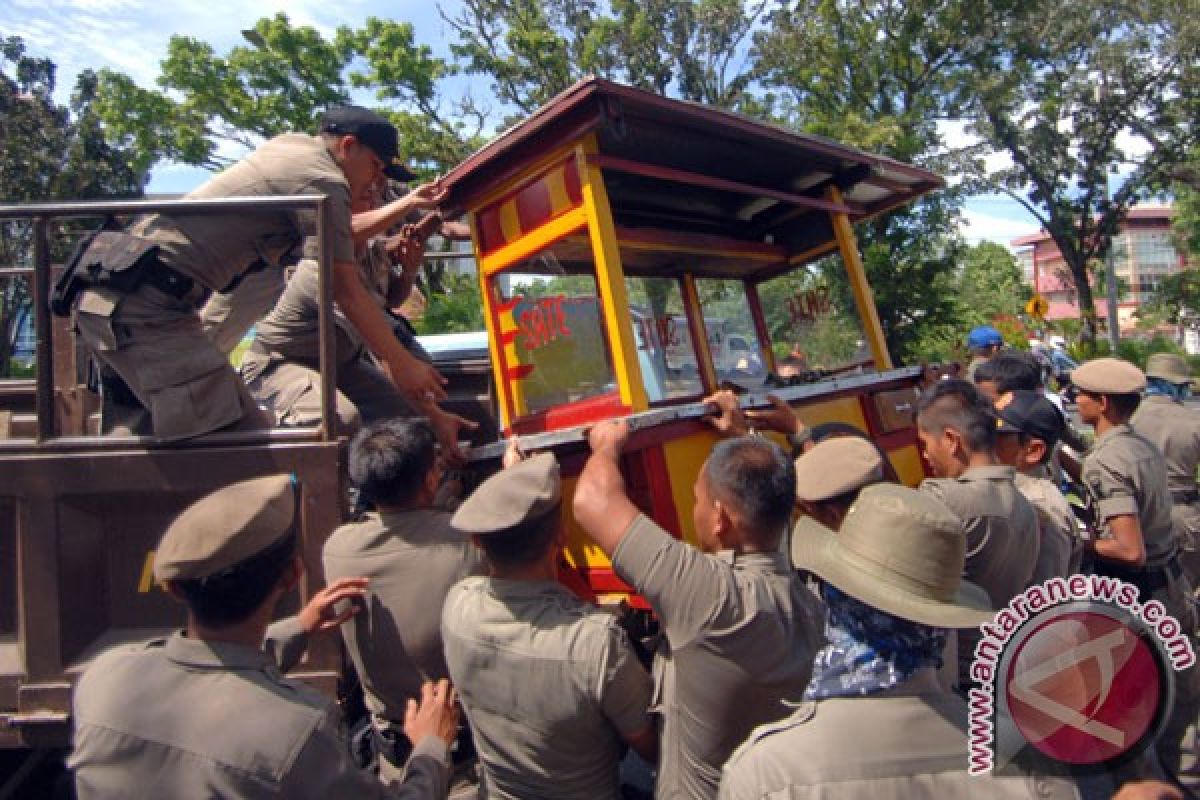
column 1029, row 412
column 374, row 131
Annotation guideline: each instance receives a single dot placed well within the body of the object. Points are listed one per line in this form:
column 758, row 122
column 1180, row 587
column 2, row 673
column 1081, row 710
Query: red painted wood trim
column 760, row 324
column 708, row 182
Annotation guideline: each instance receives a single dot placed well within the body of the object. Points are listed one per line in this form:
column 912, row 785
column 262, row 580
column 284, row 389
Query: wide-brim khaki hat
column 1169, row 367
column 900, row 551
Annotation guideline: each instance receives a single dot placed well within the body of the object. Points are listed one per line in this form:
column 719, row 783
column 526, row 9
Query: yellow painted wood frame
column 610, row 278
column 863, row 297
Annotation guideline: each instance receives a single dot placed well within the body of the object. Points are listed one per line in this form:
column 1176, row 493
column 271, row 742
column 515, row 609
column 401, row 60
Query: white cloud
column 979, row 226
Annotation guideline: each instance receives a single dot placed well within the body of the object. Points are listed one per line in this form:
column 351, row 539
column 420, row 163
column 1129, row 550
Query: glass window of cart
column 550, row 315
column 736, row 351
column 814, row 323
column 664, row 344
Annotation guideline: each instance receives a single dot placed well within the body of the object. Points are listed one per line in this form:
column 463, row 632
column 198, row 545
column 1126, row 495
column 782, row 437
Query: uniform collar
column 992, row 472
column 761, row 561
column 508, row 589
column 411, row 523
column 1122, row 429
column 207, row 654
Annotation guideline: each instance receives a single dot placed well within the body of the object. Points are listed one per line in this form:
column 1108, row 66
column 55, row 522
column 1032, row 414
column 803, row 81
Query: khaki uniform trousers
column 157, row 345
column 293, row 391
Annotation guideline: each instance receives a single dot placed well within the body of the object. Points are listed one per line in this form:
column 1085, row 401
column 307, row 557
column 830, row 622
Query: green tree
column 991, row 284
column 1058, row 89
column 878, row 75
column 693, row 49
column 47, row 152
column 209, row 104
column 1186, row 225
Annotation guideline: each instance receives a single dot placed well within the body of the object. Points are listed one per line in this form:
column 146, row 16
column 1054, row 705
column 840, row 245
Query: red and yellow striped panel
column 509, row 330
column 547, row 196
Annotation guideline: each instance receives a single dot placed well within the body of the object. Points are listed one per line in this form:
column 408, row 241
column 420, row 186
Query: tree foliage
column 210, row 107
column 1071, row 94
column 47, row 152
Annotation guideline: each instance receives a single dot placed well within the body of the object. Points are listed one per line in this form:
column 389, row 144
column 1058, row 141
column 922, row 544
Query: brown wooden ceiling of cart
column 685, row 168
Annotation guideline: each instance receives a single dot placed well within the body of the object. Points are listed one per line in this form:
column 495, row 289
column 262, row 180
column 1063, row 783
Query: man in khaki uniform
column 138, row 312
column 741, row 629
column 1028, row 429
column 412, row 557
column 829, row 478
column 874, row 723
column 551, row 685
column 1174, row 429
column 957, row 429
column 206, row 712
column 1135, row 537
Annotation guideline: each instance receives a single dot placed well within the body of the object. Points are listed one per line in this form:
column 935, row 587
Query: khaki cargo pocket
column 296, row 400
column 201, row 405
column 94, row 319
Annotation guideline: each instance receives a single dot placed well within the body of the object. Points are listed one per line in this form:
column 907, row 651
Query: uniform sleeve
column 737, row 778
column 286, row 642
column 625, row 686
column 323, row 769
column 1114, row 492
column 340, row 228
column 686, row 588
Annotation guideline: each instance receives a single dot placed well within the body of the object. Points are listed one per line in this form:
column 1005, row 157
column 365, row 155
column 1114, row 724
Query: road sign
column 1037, row 306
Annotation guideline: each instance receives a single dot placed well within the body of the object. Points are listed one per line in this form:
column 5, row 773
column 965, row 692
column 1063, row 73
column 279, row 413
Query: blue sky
column 131, row 36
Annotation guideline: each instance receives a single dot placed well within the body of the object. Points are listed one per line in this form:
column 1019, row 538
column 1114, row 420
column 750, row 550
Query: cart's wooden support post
column 863, row 298
column 610, row 277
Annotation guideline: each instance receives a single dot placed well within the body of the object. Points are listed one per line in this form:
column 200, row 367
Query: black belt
column 1185, row 496
column 168, row 280
column 1148, row 579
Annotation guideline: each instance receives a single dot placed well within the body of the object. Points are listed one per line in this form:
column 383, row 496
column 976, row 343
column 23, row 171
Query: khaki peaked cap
column 523, row 492
column 1169, row 367
column 1109, row 376
column 837, row 466
column 225, row 528
column 900, row 551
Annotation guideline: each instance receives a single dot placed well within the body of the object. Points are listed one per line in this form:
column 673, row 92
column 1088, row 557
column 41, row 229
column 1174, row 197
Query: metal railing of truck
column 42, row 214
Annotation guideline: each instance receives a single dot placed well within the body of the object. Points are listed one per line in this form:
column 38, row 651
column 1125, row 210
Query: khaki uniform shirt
column 214, row 250
column 741, row 634
column 1061, row 550
column 186, row 718
column 550, row 685
column 290, row 331
column 1002, row 538
column 1126, row 475
column 1175, row 430
column 412, row 559
column 907, row 742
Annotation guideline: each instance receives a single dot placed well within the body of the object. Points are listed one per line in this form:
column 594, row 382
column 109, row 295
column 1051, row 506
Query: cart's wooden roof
column 635, row 125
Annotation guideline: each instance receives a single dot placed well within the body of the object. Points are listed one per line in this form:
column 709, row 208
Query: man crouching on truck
column 135, row 294
column 741, row 629
column 207, row 712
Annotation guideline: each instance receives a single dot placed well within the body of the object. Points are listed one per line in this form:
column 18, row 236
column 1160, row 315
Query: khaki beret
column 1109, row 376
column 225, row 528
column 836, row 466
column 523, row 492
column 1169, row 367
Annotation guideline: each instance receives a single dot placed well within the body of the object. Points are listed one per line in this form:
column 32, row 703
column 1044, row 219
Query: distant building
column 1142, row 254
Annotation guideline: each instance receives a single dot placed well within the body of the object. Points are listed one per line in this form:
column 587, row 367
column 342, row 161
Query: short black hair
column 1125, row 404
column 957, row 404
column 524, row 543
column 389, row 459
column 1011, row 370
column 232, row 595
column 753, row 476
